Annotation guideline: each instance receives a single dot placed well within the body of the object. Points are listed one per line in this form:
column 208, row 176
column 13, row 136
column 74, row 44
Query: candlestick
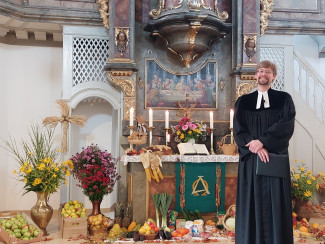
column 231, row 118
column 131, row 116
column 211, row 149
column 167, row 135
column 131, row 127
column 150, row 117
column 150, row 135
column 166, row 119
column 211, row 120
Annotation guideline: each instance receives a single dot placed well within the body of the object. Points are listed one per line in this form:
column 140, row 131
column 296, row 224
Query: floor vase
column 42, row 212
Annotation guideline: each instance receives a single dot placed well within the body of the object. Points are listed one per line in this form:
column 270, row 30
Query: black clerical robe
column 263, row 203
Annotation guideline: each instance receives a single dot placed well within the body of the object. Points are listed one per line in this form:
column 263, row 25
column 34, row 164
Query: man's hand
column 254, row 146
column 264, row 155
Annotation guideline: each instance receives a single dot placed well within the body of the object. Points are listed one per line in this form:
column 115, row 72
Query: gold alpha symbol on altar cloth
column 197, row 184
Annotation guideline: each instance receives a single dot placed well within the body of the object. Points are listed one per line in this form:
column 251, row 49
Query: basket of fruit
column 228, row 220
column 99, row 224
column 137, row 138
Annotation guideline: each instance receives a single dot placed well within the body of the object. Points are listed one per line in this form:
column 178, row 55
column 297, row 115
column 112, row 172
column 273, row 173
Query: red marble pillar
column 122, row 22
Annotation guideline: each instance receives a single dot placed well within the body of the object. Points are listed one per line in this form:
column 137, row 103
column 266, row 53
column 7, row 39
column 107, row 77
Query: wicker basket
column 228, row 149
column 232, row 208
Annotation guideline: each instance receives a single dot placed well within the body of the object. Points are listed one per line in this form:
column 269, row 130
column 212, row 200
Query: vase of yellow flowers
column 39, row 170
column 303, row 185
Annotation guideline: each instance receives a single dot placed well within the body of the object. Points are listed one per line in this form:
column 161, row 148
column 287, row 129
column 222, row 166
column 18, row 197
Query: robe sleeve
column 276, row 138
column 241, row 134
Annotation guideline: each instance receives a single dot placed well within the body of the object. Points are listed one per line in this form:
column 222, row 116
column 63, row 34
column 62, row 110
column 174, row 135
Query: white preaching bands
column 266, row 100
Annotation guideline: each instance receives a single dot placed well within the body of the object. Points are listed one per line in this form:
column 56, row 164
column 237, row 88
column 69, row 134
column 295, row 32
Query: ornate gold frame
column 266, row 10
column 104, row 11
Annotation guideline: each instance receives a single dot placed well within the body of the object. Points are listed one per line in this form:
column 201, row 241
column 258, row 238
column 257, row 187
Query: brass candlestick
column 166, row 135
column 150, row 135
column 211, row 149
column 131, row 127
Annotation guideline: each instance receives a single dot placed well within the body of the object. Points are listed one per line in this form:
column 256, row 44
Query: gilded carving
column 250, row 46
column 266, row 10
column 129, row 102
column 121, row 39
column 127, row 84
column 104, row 11
column 155, row 13
column 244, row 88
column 221, row 15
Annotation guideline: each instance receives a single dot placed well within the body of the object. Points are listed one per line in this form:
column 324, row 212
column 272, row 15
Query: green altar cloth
column 200, row 187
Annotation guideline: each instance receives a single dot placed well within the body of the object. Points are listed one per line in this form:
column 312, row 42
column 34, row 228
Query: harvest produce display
column 73, row 209
column 17, row 226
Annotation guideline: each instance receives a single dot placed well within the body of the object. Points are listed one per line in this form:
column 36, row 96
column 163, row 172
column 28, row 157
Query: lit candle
column 166, row 119
column 168, row 138
column 131, row 116
column 150, row 118
column 211, row 120
column 231, row 118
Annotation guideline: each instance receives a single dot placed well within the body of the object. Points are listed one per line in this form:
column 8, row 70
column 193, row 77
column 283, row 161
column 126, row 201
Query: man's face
column 265, row 76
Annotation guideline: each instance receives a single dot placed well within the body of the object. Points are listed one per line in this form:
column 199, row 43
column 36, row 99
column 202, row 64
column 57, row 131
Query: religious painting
column 166, row 89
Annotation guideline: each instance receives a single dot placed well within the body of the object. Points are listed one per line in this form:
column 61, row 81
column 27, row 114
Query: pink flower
column 184, row 127
column 193, row 126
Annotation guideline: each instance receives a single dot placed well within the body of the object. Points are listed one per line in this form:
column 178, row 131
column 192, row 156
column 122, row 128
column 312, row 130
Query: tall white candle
column 166, row 119
column 131, row 116
column 168, row 138
column 231, row 118
column 150, row 118
column 211, row 120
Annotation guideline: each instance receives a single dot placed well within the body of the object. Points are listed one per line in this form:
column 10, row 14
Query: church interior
column 121, row 76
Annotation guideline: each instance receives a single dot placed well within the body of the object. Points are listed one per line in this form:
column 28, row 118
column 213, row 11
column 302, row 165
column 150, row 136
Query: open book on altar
column 192, row 149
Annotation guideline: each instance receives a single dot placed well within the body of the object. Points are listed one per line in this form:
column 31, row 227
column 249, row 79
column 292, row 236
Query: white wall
column 30, row 83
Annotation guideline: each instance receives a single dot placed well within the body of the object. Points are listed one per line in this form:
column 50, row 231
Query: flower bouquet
column 303, row 183
column 96, row 172
column 36, row 158
column 186, row 130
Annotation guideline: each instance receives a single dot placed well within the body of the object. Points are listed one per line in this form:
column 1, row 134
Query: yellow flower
column 29, row 170
column 30, row 153
column 320, row 173
column 297, row 177
column 303, row 160
column 309, row 172
column 307, row 193
column 65, row 181
column 182, row 136
column 305, row 174
column 308, row 182
column 41, row 166
column 178, row 132
column 54, row 175
column 296, row 184
column 25, row 180
column 317, row 186
column 313, row 178
column 190, row 132
column 37, row 181
column 58, row 150
column 56, row 169
column 14, row 172
column 67, row 173
column 302, row 169
column 296, row 160
column 293, row 168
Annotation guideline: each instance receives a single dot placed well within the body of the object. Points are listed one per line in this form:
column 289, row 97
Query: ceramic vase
column 42, row 212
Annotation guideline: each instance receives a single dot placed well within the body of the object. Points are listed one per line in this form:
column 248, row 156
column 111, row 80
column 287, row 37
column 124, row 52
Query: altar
column 140, row 190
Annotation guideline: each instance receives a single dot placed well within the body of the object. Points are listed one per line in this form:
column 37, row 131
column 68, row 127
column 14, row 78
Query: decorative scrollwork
column 266, row 10
column 221, row 15
column 155, row 13
column 104, row 11
column 244, row 88
column 126, row 84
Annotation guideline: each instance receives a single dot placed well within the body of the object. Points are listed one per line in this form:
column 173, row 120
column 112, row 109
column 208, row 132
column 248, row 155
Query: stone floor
column 55, row 238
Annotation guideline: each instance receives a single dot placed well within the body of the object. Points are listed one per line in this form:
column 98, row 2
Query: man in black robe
column 263, row 124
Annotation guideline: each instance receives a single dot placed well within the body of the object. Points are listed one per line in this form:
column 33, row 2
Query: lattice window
column 88, row 60
column 275, row 55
